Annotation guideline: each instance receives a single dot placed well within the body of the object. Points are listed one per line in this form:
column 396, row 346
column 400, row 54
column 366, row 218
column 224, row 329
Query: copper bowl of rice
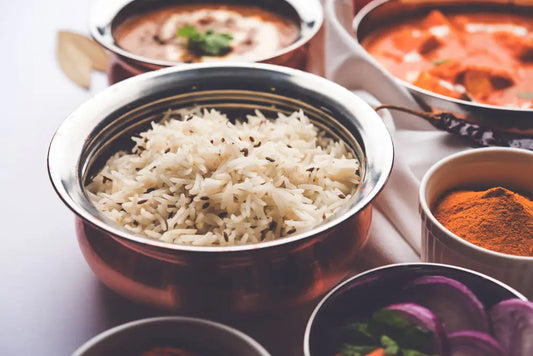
column 221, row 190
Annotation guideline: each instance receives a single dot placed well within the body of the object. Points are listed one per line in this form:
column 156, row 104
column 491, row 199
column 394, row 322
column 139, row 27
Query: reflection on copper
column 243, row 282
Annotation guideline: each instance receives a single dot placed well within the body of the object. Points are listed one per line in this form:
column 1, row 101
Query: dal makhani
column 206, row 32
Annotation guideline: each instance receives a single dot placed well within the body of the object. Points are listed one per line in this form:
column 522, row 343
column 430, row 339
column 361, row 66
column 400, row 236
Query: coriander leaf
column 353, row 350
column 406, row 334
column 391, row 347
column 407, row 352
column 209, row 43
column 439, row 62
column 187, row 31
column 525, row 95
column 362, row 332
column 390, row 318
column 216, row 44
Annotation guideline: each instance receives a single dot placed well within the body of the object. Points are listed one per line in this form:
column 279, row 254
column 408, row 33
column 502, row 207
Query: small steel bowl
column 194, row 335
column 218, row 280
column 479, row 169
column 379, row 12
column 106, row 16
column 377, row 288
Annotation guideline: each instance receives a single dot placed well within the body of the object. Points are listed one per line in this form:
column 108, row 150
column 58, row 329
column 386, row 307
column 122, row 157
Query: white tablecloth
column 395, row 232
column 50, row 301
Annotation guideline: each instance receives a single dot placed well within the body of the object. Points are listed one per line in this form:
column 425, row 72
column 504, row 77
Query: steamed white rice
column 197, row 179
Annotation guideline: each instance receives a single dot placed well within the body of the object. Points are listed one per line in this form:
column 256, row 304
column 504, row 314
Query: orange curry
column 481, row 57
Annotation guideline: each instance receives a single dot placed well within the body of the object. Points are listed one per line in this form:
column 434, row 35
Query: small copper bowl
column 105, row 17
column 218, row 280
column 379, row 12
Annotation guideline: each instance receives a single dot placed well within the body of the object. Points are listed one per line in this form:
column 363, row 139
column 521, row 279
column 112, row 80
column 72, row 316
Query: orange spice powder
column 496, row 219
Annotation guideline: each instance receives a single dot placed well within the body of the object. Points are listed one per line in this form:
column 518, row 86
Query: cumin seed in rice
column 235, row 197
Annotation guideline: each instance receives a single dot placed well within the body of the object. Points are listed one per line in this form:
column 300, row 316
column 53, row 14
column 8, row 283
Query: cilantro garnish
column 404, row 332
column 439, row 62
column 525, row 95
column 391, row 347
column 353, row 350
column 360, row 331
column 386, row 330
column 407, row 352
column 209, row 43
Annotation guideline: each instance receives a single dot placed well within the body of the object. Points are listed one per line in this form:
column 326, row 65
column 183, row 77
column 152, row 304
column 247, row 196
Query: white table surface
column 50, row 301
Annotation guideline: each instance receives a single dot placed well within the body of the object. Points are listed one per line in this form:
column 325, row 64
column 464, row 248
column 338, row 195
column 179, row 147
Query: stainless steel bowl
column 106, row 16
column 203, row 337
column 378, row 288
column 380, row 13
column 218, row 280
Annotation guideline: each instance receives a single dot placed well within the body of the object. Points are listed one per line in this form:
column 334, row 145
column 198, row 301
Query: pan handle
column 475, row 135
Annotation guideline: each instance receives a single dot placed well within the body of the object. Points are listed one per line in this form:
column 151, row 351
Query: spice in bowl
column 497, row 219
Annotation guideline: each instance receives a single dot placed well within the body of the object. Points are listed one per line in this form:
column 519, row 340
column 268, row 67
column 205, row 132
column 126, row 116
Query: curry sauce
column 481, row 57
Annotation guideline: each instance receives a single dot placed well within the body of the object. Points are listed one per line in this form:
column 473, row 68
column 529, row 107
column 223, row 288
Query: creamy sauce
column 257, row 33
column 482, row 57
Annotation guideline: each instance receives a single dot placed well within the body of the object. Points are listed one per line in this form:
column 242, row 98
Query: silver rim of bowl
column 307, row 335
column 427, row 211
column 60, row 180
column 184, row 320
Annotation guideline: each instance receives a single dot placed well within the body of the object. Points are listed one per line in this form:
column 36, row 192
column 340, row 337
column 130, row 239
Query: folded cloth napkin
column 395, row 232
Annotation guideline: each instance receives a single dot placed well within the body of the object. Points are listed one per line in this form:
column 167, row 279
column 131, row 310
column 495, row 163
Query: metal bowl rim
column 100, row 7
column 316, row 310
column 110, row 333
column 427, row 211
column 373, row 5
column 355, row 101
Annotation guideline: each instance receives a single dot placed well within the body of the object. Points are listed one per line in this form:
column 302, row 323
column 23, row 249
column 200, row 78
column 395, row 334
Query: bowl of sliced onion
column 421, row 309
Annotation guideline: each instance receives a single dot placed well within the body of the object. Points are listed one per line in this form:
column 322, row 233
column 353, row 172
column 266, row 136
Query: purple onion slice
column 512, row 324
column 474, row 343
column 426, row 319
column 453, row 302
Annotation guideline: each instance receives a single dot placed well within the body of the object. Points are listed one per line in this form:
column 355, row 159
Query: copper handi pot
column 106, row 16
column 379, row 13
column 218, row 280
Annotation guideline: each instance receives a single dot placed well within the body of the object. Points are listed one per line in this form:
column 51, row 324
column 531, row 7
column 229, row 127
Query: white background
column 50, row 302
